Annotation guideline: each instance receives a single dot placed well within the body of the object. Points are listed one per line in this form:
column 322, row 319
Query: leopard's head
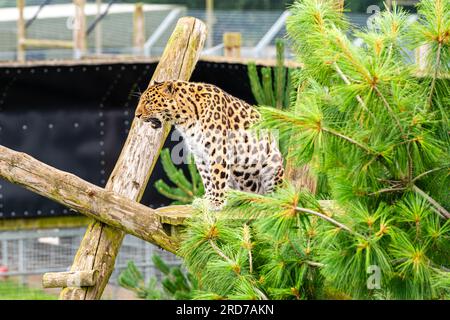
column 157, row 104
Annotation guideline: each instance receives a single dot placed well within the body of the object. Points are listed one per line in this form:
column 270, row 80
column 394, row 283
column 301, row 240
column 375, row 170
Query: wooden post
column 138, row 29
column 100, row 245
column 232, row 44
column 98, row 29
column 21, row 55
column 47, row 43
column 79, row 29
column 209, row 22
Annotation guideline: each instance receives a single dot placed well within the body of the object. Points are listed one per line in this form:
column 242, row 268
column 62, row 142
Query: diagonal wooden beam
column 101, row 243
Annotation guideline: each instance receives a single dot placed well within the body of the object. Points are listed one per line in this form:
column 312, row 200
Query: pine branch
column 329, row 219
column 348, row 139
column 389, row 109
column 347, row 82
column 314, row 264
column 288, row 90
column 220, row 252
column 387, row 190
column 263, row 296
column 308, row 262
column 170, row 192
column 248, row 246
column 280, row 75
column 255, row 85
column 174, row 174
column 284, row 119
column 440, row 209
column 429, row 171
column 268, row 86
column 435, row 75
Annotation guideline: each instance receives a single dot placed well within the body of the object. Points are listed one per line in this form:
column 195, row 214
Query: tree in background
column 275, row 86
column 377, row 128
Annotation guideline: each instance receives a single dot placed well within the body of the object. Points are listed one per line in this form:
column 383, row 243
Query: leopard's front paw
column 201, row 204
column 216, row 205
column 206, row 204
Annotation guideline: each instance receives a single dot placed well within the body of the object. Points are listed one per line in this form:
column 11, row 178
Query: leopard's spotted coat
column 216, row 126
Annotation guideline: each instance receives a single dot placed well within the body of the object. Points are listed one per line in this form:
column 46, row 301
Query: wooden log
column 21, row 54
column 232, row 44
column 91, row 200
column 138, row 29
column 100, row 245
column 69, row 279
column 47, row 43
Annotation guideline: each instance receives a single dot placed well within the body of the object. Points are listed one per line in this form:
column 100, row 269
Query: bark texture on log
column 69, row 279
column 101, row 243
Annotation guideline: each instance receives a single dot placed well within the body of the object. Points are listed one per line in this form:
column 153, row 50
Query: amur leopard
column 216, row 128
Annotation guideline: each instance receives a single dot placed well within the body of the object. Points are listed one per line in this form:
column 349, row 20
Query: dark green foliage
column 377, row 128
column 185, row 190
column 175, row 283
column 275, row 86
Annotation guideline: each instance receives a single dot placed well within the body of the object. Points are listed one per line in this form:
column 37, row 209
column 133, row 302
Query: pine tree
column 376, row 126
column 185, row 191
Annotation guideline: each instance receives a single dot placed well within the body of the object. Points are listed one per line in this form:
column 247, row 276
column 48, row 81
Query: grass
column 11, row 290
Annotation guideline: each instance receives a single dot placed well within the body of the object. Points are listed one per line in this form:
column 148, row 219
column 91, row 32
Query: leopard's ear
column 168, row 88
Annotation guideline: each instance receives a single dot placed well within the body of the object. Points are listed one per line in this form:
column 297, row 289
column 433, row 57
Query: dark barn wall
column 76, row 118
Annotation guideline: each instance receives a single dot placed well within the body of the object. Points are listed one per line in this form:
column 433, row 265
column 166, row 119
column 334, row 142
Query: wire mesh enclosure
column 110, row 28
column 111, row 34
column 26, row 255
